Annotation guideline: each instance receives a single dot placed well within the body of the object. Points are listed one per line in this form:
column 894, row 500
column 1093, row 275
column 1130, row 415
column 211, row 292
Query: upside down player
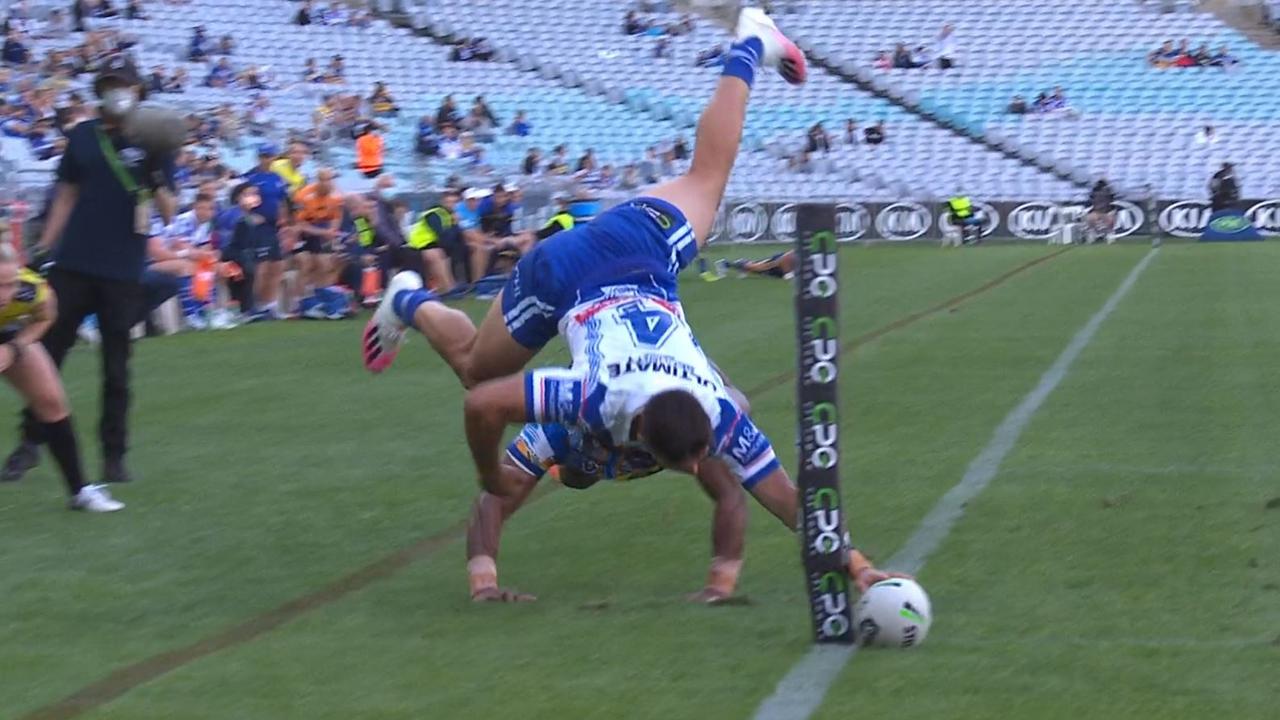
column 580, row 462
column 635, row 248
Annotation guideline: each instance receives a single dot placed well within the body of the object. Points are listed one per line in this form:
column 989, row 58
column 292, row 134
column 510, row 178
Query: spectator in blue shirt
column 519, row 126
column 220, row 75
column 199, row 51
column 426, row 143
column 15, row 52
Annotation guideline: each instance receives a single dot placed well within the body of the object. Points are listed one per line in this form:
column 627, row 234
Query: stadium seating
column 1137, row 123
column 921, row 160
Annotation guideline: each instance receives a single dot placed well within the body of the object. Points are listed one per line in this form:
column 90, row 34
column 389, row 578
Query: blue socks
column 407, row 302
column 742, row 60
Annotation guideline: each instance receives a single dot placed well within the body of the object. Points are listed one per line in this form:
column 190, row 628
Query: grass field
column 292, row 549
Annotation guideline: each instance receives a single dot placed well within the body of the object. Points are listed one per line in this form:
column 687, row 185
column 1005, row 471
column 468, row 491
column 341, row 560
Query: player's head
column 676, row 429
column 8, row 270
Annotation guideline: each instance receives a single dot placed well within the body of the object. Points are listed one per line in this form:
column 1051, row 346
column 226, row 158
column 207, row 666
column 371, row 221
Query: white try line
column 801, row 692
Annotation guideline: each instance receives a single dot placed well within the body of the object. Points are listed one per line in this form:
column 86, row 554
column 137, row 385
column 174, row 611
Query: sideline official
column 107, row 189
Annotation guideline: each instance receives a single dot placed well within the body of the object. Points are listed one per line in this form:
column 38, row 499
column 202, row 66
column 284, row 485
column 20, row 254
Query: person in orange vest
column 369, row 151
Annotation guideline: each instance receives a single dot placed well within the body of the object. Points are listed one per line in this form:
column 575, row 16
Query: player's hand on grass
column 501, row 595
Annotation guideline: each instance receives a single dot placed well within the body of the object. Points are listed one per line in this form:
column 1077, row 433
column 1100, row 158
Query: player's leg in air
column 678, row 214
column 781, row 265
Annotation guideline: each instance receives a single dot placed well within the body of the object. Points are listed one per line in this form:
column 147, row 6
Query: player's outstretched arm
column 728, row 530
column 488, row 409
column 484, row 535
column 779, row 496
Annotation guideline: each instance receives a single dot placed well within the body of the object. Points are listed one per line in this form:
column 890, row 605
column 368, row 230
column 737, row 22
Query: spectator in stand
column 875, row 134
column 220, row 75
column 662, row 48
column 559, row 163
column 310, row 73
column 922, row 56
column 178, row 83
column 1018, row 106
column 711, row 57
column 425, row 142
column 531, row 161
column 1203, row 56
column 817, row 139
column 15, row 50
column 1224, row 59
column 381, row 104
column 226, row 46
column 337, row 71
column 369, row 151
column 199, row 51
column 519, row 127
column 57, row 26
column 1163, row 57
column 447, row 113
column 882, row 61
column 479, row 125
column 945, row 46
column 289, row 167
column 303, row 17
column 629, row 179
column 450, row 146
column 606, row 179
column 481, row 108
column 133, row 11
column 1207, row 137
column 158, row 81
column 586, row 163
column 680, row 149
column 633, row 24
column 105, row 10
column 851, row 134
column 1056, row 104
column 902, row 58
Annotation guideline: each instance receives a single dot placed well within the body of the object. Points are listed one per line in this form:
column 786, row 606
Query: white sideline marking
column 802, row 690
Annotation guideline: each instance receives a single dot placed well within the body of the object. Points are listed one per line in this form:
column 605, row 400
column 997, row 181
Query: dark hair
column 240, row 190
column 675, row 426
column 202, row 197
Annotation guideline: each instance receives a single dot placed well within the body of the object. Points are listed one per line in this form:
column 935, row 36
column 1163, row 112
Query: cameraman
column 1224, row 190
column 96, row 231
column 1100, row 221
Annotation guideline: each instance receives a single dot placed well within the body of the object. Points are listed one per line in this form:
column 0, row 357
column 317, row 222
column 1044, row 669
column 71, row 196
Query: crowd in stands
column 1271, row 14
column 471, row 49
column 940, row 54
column 1167, row 56
column 1049, row 104
column 336, row 14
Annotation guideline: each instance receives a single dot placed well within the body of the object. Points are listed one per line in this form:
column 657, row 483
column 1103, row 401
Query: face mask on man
column 118, row 102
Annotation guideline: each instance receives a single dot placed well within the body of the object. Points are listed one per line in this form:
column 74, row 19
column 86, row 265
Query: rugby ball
column 893, row 613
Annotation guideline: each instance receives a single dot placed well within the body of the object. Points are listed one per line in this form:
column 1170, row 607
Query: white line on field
column 800, row 693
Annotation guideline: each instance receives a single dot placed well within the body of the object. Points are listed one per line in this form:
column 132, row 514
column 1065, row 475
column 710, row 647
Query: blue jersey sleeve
column 745, row 449
column 553, row 395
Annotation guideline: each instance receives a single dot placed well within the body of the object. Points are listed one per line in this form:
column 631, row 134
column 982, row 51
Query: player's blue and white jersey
column 187, row 228
column 628, row 347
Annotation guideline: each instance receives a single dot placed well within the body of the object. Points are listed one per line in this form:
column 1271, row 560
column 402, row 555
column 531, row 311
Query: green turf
column 1123, row 564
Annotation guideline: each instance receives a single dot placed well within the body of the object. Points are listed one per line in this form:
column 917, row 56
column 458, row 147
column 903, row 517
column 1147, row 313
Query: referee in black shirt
column 96, row 230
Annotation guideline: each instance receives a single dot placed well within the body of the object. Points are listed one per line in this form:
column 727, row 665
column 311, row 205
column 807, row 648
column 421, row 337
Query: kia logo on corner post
column 748, row 222
column 852, row 222
column 717, row 227
column 990, row 219
column 1034, row 220
column 1129, row 217
column 904, row 221
column 1265, row 216
column 1186, row 219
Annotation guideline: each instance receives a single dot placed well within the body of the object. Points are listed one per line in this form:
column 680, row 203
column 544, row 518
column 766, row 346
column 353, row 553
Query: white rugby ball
column 893, row 613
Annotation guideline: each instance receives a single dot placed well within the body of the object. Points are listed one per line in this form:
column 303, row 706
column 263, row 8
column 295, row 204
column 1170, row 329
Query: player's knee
column 49, row 404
